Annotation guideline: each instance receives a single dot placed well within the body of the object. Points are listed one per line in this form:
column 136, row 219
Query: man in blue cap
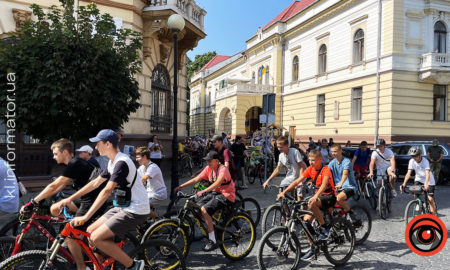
column 131, row 201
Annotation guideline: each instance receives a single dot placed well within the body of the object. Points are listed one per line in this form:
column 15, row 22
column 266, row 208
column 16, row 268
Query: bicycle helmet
column 414, row 151
column 381, row 142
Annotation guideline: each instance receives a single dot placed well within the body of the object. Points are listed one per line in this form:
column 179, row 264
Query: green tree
column 74, row 75
column 192, row 67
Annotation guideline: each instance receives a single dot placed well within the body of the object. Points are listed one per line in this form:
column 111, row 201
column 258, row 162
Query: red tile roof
column 214, row 61
column 290, row 11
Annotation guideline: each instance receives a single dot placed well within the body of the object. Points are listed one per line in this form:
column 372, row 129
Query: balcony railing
column 188, row 9
column 160, row 124
column 244, row 88
column 435, row 61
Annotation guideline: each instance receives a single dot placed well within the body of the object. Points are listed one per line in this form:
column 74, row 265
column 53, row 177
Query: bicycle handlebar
column 182, row 195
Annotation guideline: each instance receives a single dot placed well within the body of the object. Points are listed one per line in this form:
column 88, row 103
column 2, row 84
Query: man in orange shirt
column 325, row 195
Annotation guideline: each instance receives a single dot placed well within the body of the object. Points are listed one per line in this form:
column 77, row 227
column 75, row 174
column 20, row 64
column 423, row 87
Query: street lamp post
column 176, row 24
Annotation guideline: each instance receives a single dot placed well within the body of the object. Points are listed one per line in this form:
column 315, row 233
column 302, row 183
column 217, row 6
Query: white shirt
column 139, row 200
column 325, row 152
column 290, row 161
column 156, row 188
column 382, row 164
column 155, row 154
column 420, row 169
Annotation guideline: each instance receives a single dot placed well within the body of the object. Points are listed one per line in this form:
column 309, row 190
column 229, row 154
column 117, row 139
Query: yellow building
column 339, row 69
column 157, row 55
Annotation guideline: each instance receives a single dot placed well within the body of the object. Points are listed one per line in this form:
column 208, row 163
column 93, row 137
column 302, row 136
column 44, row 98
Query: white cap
column 85, row 148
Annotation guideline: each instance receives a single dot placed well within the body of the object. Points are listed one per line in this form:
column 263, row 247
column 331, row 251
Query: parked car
column 349, row 152
column 402, row 158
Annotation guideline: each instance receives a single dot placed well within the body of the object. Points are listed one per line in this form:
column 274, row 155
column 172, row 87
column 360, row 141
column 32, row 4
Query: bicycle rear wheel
column 252, row 208
column 412, row 209
column 238, row 237
column 160, row 254
column 34, row 260
column 278, row 250
column 251, row 175
column 362, row 223
column 340, row 242
column 382, row 203
column 7, row 244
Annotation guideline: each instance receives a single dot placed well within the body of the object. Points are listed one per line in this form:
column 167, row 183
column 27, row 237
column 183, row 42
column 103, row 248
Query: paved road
column 384, row 249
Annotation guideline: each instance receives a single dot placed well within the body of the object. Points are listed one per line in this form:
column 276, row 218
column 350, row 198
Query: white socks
column 212, row 236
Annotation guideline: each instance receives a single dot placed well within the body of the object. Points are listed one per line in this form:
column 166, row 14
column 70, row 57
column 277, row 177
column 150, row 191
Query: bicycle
column 384, row 197
column 234, row 229
column 419, row 205
column 281, row 245
column 371, row 188
column 185, row 164
column 171, row 257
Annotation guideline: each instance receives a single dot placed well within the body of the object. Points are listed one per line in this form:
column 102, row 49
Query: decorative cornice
column 298, row 47
column 324, row 35
column 20, row 16
column 357, row 20
column 114, row 4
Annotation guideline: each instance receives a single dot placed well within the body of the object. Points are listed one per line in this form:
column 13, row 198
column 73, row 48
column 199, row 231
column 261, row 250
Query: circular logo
column 426, row 235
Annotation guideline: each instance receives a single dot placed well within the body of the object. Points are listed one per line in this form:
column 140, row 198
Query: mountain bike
column 384, row 197
column 158, row 254
column 371, row 188
column 419, row 205
column 235, row 230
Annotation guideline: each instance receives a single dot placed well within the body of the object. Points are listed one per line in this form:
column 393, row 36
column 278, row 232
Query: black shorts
column 430, row 188
column 349, row 192
column 84, row 208
column 213, row 202
column 327, row 201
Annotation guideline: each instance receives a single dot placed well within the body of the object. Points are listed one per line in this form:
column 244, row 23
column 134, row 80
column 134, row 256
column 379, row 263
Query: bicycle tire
column 382, row 204
column 169, row 230
column 267, row 256
column 362, row 223
column 372, row 196
column 341, row 232
column 11, row 227
column 233, row 233
column 33, row 260
column 160, row 254
column 412, row 209
column 273, row 217
column 252, row 208
column 7, row 244
column 358, row 192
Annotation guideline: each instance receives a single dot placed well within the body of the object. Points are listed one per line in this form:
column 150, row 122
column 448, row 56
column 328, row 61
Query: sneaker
column 394, row 193
column 324, row 233
column 138, row 265
column 417, row 207
column 210, row 246
column 308, row 255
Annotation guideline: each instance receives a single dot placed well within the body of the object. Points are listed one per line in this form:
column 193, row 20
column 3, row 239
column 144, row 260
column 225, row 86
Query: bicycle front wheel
column 362, row 223
column 340, row 242
column 252, row 208
column 34, row 260
column 372, row 195
column 238, row 237
column 7, row 244
column 412, row 209
column 273, row 217
column 160, row 254
column 382, row 203
column 278, row 250
column 169, row 230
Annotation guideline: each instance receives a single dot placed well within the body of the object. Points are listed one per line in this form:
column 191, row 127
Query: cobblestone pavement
column 384, row 249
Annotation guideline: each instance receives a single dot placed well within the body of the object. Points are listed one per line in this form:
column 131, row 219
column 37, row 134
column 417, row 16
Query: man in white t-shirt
column 129, row 211
column 421, row 166
column 384, row 160
column 152, row 178
column 289, row 158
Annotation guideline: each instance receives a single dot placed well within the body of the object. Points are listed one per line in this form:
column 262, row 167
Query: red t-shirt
column 310, row 172
column 227, row 186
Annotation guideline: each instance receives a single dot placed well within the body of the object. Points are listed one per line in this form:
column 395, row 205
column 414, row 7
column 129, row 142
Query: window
column 321, row 109
column 295, row 69
column 253, row 77
column 161, row 120
column 267, row 76
column 440, row 36
column 323, row 59
column 222, row 84
column 358, row 46
column 439, row 102
column 261, row 71
column 356, row 104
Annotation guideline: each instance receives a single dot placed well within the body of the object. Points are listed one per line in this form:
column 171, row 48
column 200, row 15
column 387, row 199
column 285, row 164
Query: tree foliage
column 199, row 61
column 74, row 76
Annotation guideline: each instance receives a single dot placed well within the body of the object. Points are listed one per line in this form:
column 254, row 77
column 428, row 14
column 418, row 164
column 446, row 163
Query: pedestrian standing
column 155, row 150
column 435, row 155
column 238, row 149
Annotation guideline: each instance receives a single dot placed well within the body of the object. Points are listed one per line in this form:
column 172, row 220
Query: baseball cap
column 211, row 155
column 217, row 138
column 107, row 135
column 85, row 148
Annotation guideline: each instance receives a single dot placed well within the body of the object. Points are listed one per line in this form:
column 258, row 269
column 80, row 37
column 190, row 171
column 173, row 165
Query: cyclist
column 130, row 210
column 225, row 155
column 424, row 177
column 256, row 156
column 78, row 171
column 289, row 158
column 222, row 195
column 384, row 160
column 325, row 196
column 342, row 170
column 152, row 178
column 361, row 159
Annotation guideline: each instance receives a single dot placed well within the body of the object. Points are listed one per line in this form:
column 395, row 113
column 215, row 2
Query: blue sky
column 230, row 23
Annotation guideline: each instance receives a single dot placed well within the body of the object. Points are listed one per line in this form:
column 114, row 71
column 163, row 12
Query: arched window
column 267, row 76
column 440, row 37
column 160, row 120
column 253, row 78
column 358, row 46
column 295, row 69
column 322, row 59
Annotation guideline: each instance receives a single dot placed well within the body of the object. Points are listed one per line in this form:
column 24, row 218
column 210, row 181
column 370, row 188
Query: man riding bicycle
column 325, row 196
column 384, row 160
column 342, row 170
column 289, row 158
column 424, row 177
column 222, row 195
